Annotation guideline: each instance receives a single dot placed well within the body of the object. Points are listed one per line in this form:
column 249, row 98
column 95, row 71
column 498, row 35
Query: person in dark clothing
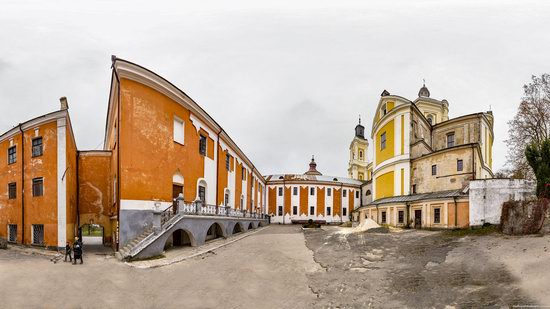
column 68, row 252
column 77, row 248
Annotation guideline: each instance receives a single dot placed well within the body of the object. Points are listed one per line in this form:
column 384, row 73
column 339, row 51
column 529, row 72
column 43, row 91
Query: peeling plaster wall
column 487, row 197
column 95, row 187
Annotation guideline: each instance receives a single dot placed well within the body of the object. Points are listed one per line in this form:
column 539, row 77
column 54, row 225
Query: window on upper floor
column 383, row 110
column 227, row 161
column 329, row 191
column 12, row 155
column 243, row 172
column 295, row 191
column 280, row 191
column 12, row 190
column 459, row 165
column 178, row 131
column 450, row 140
column 38, row 186
column 356, row 194
column 434, row 170
column 344, row 193
column 361, row 154
column 360, row 176
column 383, row 141
column 414, row 189
column 37, row 147
column 202, row 145
column 312, row 191
column 367, row 193
column 430, row 119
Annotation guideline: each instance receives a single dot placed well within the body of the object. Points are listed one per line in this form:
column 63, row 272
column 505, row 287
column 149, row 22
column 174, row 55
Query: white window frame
column 179, row 126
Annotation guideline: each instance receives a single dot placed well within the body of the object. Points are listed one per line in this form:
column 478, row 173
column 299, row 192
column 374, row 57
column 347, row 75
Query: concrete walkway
column 266, row 269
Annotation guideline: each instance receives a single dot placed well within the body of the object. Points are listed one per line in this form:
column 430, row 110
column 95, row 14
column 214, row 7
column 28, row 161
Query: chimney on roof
column 64, row 103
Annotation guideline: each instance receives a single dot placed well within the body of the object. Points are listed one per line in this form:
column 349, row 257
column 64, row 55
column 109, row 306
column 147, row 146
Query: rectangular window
column 328, row 211
column 202, row 145
column 281, row 191
column 226, row 199
column 450, row 140
column 459, row 165
column 202, row 194
column 178, row 130
column 344, row 212
column 414, row 189
column 12, row 190
column 383, row 217
column 329, row 191
column 280, row 210
column 295, row 191
column 437, row 215
column 12, row 232
column 312, row 191
column 12, row 155
column 295, row 210
column 37, row 147
column 243, row 171
column 383, row 141
column 38, row 234
column 434, row 170
column 356, row 194
column 311, row 210
column 401, row 216
column 227, row 161
column 38, row 186
column 345, row 192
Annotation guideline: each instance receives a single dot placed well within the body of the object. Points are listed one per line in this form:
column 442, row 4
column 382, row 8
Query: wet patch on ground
column 412, row 268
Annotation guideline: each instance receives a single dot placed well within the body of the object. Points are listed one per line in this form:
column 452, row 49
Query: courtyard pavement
column 284, row 267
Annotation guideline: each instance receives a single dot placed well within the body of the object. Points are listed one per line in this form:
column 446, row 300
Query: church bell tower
column 358, row 149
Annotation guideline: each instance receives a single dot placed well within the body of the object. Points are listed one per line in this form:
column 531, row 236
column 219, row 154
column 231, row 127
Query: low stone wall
column 525, row 217
column 488, row 195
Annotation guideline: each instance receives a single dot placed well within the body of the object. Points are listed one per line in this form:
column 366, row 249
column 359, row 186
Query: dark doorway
column 179, row 238
column 251, row 226
column 237, row 228
column 214, row 231
column 176, row 190
column 417, row 218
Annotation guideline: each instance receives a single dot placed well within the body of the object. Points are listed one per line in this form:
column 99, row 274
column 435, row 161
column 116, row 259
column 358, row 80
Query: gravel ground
column 283, row 267
column 416, row 269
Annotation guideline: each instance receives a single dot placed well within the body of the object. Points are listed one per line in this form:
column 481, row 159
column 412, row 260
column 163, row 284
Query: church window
column 361, row 154
column 384, row 110
column 459, row 165
column 431, row 119
column 434, row 170
column 450, row 140
column 383, row 141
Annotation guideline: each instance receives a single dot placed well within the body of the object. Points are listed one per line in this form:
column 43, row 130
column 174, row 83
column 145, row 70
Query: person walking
column 77, row 248
column 68, row 251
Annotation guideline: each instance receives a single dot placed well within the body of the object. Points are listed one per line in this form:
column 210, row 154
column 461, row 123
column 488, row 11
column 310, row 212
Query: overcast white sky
column 286, row 79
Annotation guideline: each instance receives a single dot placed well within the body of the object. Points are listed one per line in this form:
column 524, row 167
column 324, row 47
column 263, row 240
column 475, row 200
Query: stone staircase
column 125, row 251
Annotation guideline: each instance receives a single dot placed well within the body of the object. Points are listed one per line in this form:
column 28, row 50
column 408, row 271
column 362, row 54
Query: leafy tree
column 530, row 125
column 538, row 157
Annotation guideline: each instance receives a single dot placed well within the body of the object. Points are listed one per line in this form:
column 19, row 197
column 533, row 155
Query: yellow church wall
column 385, row 185
column 388, row 152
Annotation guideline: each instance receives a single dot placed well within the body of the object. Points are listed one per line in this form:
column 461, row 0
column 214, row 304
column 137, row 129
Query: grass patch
column 485, row 230
column 346, row 224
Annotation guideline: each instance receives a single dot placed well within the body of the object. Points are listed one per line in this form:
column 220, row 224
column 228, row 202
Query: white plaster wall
column 312, row 201
column 61, row 182
column 487, row 196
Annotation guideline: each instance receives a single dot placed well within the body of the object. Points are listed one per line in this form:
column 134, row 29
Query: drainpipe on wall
column 118, row 178
column 77, row 194
column 22, row 184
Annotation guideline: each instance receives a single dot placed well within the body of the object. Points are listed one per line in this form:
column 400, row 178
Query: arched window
column 431, row 119
column 367, row 193
column 227, row 196
column 177, row 184
column 361, row 154
column 202, row 191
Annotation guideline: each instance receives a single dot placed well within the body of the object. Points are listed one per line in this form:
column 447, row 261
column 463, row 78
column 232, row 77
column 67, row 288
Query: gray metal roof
column 419, row 197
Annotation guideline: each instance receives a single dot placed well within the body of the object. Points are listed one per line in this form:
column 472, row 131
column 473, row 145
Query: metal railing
column 199, row 208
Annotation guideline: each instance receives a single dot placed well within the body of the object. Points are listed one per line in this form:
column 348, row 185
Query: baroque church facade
column 422, row 162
